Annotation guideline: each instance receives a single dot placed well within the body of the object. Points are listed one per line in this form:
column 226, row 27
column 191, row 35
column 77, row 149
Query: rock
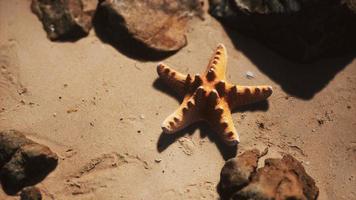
column 31, row 193
column 279, row 179
column 351, row 4
column 65, row 19
column 10, row 142
column 25, row 162
column 298, row 29
column 236, row 172
column 157, row 25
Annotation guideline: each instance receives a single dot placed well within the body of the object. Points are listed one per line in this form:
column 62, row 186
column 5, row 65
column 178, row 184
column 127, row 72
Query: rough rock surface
column 158, row 25
column 299, row 29
column 236, row 172
column 31, row 193
column 65, row 19
column 23, row 162
column 279, row 179
column 10, row 142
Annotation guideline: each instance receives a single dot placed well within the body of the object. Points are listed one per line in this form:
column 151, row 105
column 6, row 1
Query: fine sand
column 101, row 110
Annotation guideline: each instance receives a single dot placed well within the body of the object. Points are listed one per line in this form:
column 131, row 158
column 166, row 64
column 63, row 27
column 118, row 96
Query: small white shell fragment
column 250, row 75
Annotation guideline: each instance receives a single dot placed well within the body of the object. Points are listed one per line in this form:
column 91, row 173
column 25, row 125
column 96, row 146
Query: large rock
column 65, row 19
column 279, row 179
column 158, row 25
column 23, row 162
column 302, row 30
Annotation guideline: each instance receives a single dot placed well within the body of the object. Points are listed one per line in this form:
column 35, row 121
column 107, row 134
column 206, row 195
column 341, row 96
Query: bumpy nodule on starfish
column 209, row 97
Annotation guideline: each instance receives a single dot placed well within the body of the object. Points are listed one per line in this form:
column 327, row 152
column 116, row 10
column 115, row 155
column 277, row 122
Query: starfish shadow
column 165, row 140
column 227, row 152
column 160, row 86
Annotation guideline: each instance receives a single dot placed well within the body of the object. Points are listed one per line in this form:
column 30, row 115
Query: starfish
column 209, row 97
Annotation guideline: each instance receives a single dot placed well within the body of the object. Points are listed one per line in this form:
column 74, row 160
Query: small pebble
column 142, row 116
column 72, row 110
column 54, row 114
column 22, row 91
column 158, row 160
column 250, row 75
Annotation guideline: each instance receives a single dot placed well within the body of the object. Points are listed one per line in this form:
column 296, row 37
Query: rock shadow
column 226, row 151
column 302, row 80
column 122, row 41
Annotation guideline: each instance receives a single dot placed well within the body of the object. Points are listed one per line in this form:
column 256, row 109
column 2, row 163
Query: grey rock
column 65, row 19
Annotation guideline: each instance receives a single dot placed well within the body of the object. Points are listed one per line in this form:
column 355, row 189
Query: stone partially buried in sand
column 156, row 24
column 65, row 19
column 279, row 179
column 24, row 162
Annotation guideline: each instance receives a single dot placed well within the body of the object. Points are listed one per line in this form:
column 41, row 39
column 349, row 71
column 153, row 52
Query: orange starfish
column 209, row 97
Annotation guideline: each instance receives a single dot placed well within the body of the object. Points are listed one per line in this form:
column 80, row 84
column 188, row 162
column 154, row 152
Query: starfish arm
column 243, row 95
column 217, row 64
column 223, row 124
column 185, row 115
column 173, row 78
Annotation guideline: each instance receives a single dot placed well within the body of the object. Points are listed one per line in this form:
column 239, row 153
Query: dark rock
column 10, row 142
column 25, row 162
column 31, row 193
column 351, row 4
column 65, row 19
column 279, row 179
column 298, row 29
column 157, row 25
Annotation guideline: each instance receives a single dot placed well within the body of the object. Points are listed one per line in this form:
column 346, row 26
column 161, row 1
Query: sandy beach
column 100, row 110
